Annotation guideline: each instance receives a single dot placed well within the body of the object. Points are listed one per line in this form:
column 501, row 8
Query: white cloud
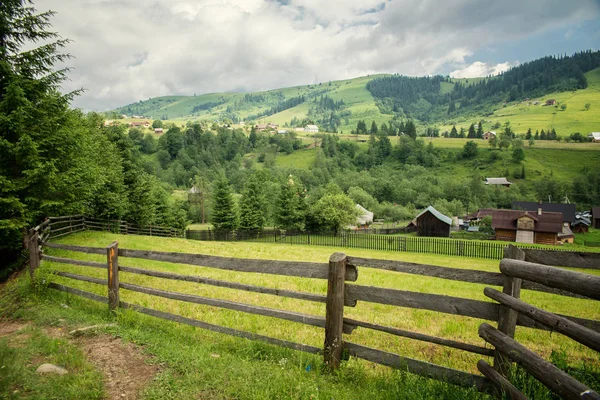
column 130, row 50
column 479, row 68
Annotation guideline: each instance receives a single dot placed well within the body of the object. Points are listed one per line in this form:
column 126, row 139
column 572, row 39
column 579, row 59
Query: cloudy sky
column 130, row 50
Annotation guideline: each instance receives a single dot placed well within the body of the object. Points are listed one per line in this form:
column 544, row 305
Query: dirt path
column 125, row 368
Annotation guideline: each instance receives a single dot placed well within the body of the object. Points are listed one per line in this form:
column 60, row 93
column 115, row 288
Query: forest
column 424, row 99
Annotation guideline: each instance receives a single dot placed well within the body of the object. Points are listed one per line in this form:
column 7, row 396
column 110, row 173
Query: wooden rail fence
column 506, row 309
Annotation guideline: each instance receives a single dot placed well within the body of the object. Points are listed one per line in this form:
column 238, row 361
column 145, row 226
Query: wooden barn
column 596, row 217
column 581, row 225
column 431, row 222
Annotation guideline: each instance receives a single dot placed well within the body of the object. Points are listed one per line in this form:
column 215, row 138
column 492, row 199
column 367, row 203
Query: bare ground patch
column 125, row 369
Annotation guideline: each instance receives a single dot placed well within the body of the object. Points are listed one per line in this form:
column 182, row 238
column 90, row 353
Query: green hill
column 518, row 97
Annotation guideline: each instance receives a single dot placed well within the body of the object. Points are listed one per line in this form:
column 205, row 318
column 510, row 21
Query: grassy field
column 287, row 366
column 524, row 115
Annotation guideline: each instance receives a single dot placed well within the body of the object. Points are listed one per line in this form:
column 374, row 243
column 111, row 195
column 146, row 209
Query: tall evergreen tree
column 472, row 134
column 453, row 132
column 290, row 210
column 374, row 128
column 252, row 206
column 480, row 130
column 224, row 213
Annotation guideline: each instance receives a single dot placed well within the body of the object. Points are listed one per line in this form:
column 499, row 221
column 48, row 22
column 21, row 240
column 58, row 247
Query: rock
column 64, row 306
column 214, row 355
column 51, row 369
column 81, row 331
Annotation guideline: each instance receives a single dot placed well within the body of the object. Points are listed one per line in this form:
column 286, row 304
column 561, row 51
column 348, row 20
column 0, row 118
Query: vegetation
column 185, row 353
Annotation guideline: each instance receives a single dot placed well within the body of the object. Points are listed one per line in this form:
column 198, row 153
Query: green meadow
column 182, row 347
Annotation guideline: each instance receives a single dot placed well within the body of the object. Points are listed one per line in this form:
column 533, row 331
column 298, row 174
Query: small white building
column 311, row 128
column 365, row 217
column 595, row 136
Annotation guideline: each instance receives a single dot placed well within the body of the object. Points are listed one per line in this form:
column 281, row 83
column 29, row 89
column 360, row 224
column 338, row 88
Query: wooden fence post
column 112, row 254
column 334, row 310
column 34, row 252
column 507, row 317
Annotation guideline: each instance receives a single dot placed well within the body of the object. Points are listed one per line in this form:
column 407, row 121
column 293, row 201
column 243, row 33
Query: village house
column 272, row 126
column 140, row 124
column 158, row 130
column 260, row 127
column 581, row 225
column 595, row 136
column 364, row 218
column 568, row 210
column 550, row 102
column 497, row 181
column 523, row 226
column 596, row 217
column 311, row 128
column 431, row 222
column 489, row 135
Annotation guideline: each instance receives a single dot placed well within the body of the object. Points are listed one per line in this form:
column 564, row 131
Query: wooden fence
column 55, row 227
column 339, row 271
column 354, row 239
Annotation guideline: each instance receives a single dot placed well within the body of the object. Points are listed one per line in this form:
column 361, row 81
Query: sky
column 125, row 51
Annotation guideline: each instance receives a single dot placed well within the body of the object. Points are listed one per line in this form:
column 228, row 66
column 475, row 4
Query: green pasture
column 525, row 115
column 201, row 364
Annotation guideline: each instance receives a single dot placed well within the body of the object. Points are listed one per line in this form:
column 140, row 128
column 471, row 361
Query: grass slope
column 523, row 115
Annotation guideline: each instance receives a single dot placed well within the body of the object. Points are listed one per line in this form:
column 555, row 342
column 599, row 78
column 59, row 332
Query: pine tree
column 528, row 134
column 290, row 207
column 451, row 108
column 472, row 134
column 252, row 206
column 537, row 135
column 224, row 214
column 480, row 131
column 374, row 128
column 543, row 135
column 453, row 132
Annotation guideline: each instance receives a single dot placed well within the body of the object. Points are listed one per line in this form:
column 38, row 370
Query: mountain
column 338, row 106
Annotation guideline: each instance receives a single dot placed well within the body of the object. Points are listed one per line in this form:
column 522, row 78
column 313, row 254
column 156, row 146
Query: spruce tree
column 472, row 134
column 453, row 132
column 290, row 206
column 252, row 206
column 374, row 129
column 480, row 130
column 224, row 213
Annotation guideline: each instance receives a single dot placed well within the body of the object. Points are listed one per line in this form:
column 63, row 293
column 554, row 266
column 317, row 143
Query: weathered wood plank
column 449, row 375
column 334, row 310
column 507, row 318
column 220, row 329
column 422, row 337
column 503, row 385
column 231, row 285
column 425, row 301
column 71, row 261
column 70, row 247
column 78, row 277
column 544, row 371
column 230, row 305
column 576, row 282
column 563, row 258
column 34, row 252
column 581, row 334
column 287, row 268
column 455, row 274
column 64, row 228
column 112, row 260
column 77, row 292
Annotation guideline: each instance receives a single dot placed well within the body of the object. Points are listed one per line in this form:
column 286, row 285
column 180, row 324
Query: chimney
column 540, row 211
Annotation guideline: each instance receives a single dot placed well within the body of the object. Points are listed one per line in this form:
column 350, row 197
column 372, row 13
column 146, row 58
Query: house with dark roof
column 581, row 225
column 596, row 217
column 431, row 222
column 550, row 102
column 567, row 210
column 523, row 226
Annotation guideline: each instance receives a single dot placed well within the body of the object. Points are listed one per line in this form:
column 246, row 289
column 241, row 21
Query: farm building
column 489, row 135
column 497, row 181
column 567, row 210
column 431, row 222
column 595, row 136
column 581, row 225
column 596, row 217
column 364, row 218
column 158, row 130
column 261, row 127
column 550, row 102
column 311, row 128
column 524, row 226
